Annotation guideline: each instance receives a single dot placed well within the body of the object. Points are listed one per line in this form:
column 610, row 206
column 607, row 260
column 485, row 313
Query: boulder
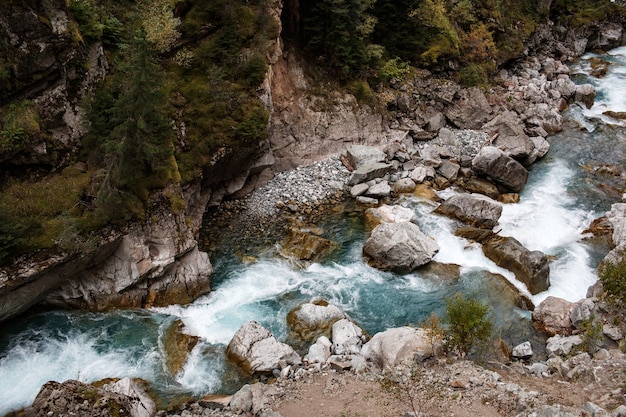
column 552, row 315
column 399, row 247
column 379, row 190
column 359, row 189
column 565, row 86
column 319, row 352
column 612, row 332
column 562, row 345
column 421, row 173
column 449, row 170
column 141, row 403
column 311, row 320
column 359, row 155
column 388, row 214
column 581, row 312
column 305, row 246
column 177, row 346
column 530, row 267
column 504, row 170
column 523, row 351
column 256, row 350
column 404, row 185
column 252, row 399
column 508, row 130
column 347, row 338
column 471, row 111
column 81, row 400
column 479, row 185
column 475, row 209
column 586, row 94
column 425, row 192
column 397, row 345
column 369, row 171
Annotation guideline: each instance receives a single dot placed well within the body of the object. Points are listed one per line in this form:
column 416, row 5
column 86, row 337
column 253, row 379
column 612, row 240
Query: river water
column 564, row 194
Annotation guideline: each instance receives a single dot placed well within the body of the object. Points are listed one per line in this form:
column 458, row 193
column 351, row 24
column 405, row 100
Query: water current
column 564, row 194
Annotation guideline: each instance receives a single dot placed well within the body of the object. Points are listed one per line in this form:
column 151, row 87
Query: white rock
column 346, row 338
column 523, row 350
column 562, row 345
column 394, row 346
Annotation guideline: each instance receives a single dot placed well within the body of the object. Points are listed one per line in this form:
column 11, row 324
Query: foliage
column 591, row 335
column 95, row 23
column 469, row 324
column 413, row 387
column 395, row 68
column 159, row 23
column 613, row 278
column 18, row 122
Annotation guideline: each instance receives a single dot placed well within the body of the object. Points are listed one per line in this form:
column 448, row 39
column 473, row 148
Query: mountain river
column 564, row 194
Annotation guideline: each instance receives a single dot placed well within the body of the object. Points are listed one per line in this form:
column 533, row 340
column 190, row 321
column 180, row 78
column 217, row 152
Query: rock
column 565, row 86
column 420, row 173
column 504, row 170
column 530, row 267
column 553, row 316
column 617, row 218
column 510, row 137
column 562, row 345
column 404, row 185
column 436, row 122
column 256, row 350
column 215, row 402
column 367, row 201
column 399, row 247
column 141, row 403
column 602, row 355
column 448, row 170
column 359, row 189
column 425, row 192
column 581, row 312
column 388, row 214
column 539, row 369
column 471, row 111
column 369, row 171
column 431, row 156
column 475, row 209
column 509, row 198
column 620, row 411
column 523, row 351
column 542, row 146
column 359, row 155
column 347, row 338
column 177, row 346
column 586, row 94
column 82, row 400
column 400, row 345
column 612, row 332
column 479, row 185
column 319, row 352
column 251, row 398
column 311, row 320
column 473, row 233
column 594, row 410
column 306, row 246
column 380, row 190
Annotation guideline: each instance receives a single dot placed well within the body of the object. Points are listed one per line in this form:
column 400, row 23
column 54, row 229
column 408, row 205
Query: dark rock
column 504, row 170
column 479, row 185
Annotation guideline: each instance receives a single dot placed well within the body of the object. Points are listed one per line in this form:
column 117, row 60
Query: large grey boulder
column 562, row 345
column 471, row 111
column 369, row 171
column 502, row 169
column 552, row 315
column 399, row 247
column 359, row 155
column 510, row 136
column 311, row 320
column 530, row 267
column 256, row 350
column 474, row 209
column 522, row 351
column 397, row 345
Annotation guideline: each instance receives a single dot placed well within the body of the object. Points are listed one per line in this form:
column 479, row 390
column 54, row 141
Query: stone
column 369, row 171
column 380, row 190
column 401, row 345
column 367, row 201
column 553, row 316
column 388, row 214
column 359, row 155
column 612, row 332
column 404, row 185
column 509, row 198
column 471, row 111
column 620, row 411
column 256, row 350
column 523, row 351
column 425, row 192
column 448, row 170
column 250, row 398
column 359, row 189
column 581, row 312
column 510, row 137
column 319, row 352
column 504, row 170
column 473, row 233
column 177, row 346
column 399, row 247
column 539, row 369
column 140, row 402
column 421, row 173
column 602, row 355
column 475, row 209
column 431, row 156
column 347, row 338
column 586, row 94
column 562, row 345
column 436, row 122
column 594, row 410
column 565, row 86
column 479, row 185
column 311, row 320
column 305, row 246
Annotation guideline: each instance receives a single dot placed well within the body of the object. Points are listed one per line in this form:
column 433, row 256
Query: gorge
column 566, row 191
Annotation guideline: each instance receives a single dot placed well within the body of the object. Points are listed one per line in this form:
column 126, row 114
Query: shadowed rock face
column 502, row 169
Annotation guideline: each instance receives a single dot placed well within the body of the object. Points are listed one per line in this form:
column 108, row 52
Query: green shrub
column 469, row 324
column 613, row 278
column 17, row 123
column 395, row 68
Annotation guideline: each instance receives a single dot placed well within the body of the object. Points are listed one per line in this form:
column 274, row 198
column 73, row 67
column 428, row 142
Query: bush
column 613, row 278
column 395, row 68
column 469, row 324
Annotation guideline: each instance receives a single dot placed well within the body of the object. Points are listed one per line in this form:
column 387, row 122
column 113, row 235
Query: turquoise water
column 562, row 197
